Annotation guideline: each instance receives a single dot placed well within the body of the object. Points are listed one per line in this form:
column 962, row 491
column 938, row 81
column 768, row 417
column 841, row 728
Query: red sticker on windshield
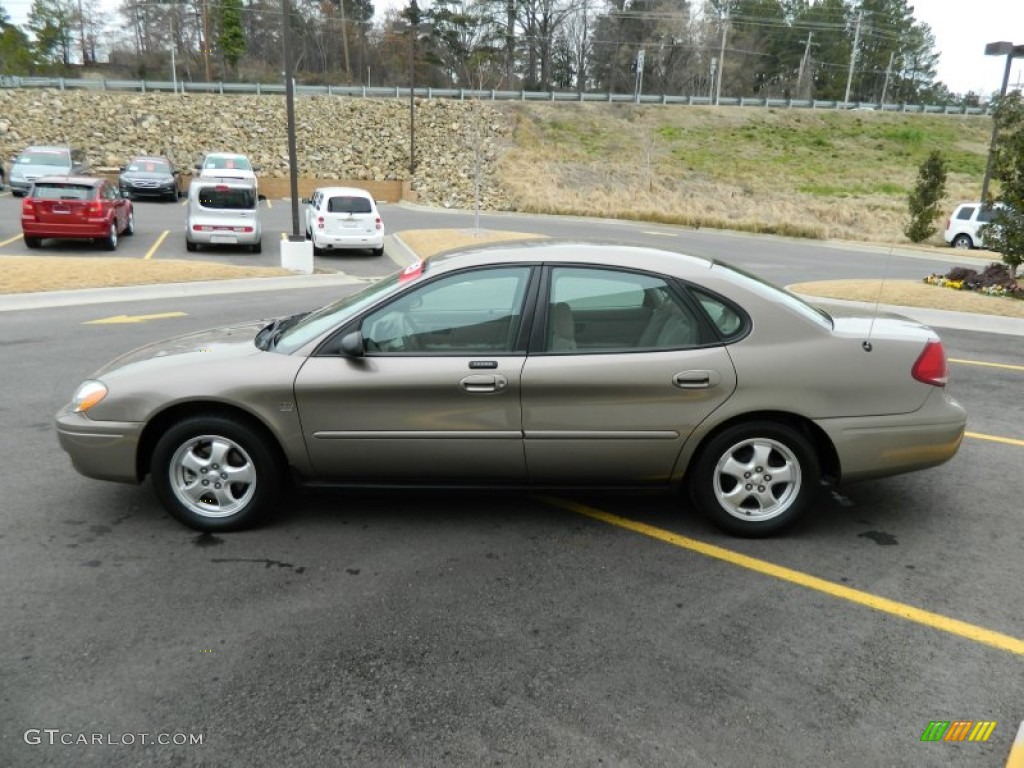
column 411, row 272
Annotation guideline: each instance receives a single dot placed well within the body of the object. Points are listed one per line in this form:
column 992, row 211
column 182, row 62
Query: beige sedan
column 539, row 365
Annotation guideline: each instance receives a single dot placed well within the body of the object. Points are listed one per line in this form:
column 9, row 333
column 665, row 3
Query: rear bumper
column 878, row 446
column 223, row 238
column 104, row 450
column 84, row 230
column 343, row 242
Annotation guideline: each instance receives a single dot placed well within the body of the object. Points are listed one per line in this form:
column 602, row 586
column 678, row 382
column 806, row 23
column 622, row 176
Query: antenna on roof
column 866, row 344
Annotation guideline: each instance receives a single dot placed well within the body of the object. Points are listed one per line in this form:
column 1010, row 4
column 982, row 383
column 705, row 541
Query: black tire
column 221, row 447
column 33, row 242
column 257, row 247
column 129, row 227
column 962, row 241
column 755, row 479
column 110, row 241
column 191, row 247
column 378, row 251
column 317, row 251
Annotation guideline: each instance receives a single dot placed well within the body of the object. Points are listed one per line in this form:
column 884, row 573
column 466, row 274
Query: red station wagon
column 75, row 207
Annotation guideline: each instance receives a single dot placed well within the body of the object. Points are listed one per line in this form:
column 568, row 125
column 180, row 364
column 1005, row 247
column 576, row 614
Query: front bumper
column 104, row 450
column 879, row 446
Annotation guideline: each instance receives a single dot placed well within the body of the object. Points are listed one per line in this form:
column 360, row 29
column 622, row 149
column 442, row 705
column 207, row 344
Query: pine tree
column 924, row 200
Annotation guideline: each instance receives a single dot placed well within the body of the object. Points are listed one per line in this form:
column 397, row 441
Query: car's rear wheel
column 110, row 241
column 378, row 251
column 963, row 241
column 190, row 246
column 257, row 247
column 33, row 242
column 215, row 473
column 755, row 479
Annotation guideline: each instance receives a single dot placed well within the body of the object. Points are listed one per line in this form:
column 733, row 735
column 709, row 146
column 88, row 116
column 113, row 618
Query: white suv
column 962, row 227
column 343, row 218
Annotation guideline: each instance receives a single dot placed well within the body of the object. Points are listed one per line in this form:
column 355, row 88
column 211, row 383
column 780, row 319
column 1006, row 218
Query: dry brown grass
column 809, row 174
column 27, row 274
column 907, row 293
column 430, row 242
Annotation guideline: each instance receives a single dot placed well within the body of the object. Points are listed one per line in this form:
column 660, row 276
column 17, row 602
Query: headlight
column 88, row 394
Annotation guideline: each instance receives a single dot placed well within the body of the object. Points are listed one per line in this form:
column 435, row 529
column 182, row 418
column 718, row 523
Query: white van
column 223, row 212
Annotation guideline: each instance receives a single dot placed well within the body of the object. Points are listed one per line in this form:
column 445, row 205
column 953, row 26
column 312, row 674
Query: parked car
column 537, row 365
column 150, row 176
column 222, row 212
column 343, row 219
column 37, row 161
column 964, row 225
column 228, row 165
column 75, row 208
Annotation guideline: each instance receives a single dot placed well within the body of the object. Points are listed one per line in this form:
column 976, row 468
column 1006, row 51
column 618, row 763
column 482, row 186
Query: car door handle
column 484, row 383
column 696, row 379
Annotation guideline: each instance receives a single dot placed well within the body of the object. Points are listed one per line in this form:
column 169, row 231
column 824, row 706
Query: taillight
column 94, row 208
column 379, row 225
column 27, row 207
column 320, row 222
column 930, row 367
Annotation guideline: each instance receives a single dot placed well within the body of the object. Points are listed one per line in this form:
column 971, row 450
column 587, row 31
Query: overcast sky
column 961, row 27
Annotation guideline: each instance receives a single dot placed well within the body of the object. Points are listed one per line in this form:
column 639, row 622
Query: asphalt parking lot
column 385, row 628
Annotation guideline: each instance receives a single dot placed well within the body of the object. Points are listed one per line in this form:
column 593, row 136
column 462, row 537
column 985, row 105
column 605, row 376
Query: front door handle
column 484, row 382
column 696, row 379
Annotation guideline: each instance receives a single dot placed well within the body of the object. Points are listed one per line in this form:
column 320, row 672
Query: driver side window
column 476, row 312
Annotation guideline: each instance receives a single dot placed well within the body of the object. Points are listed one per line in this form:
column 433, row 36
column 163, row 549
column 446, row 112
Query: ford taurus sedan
column 568, row 365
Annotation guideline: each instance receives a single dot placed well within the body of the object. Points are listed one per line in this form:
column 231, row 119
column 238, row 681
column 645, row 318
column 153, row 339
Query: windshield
column 149, row 166
column 322, row 320
column 778, row 295
column 54, row 157
column 224, row 163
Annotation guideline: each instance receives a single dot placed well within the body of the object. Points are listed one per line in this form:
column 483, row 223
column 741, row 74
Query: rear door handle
column 696, row 379
column 483, row 383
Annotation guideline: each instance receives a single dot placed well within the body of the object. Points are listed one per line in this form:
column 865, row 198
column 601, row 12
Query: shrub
column 924, row 200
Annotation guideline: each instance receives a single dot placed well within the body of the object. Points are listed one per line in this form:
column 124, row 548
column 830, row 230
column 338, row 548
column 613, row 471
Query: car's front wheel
column 129, row 227
column 215, row 473
column 755, row 479
column 110, row 241
column 963, row 241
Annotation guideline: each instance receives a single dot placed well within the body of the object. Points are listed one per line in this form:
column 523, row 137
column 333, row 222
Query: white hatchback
column 343, row 219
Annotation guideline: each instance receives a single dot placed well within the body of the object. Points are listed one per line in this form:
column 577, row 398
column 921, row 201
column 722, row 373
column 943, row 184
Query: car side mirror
column 124, row 168
column 261, row 198
column 351, row 344
column 256, row 168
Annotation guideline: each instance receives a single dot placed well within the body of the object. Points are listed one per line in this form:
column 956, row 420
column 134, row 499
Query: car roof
column 350, row 191
column 90, row 181
column 622, row 255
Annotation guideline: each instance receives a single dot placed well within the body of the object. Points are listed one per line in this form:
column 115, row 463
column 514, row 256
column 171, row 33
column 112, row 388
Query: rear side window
column 347, row 204
column 965, row 213
column 63, row 192
column 227, row 198
column 986, row 214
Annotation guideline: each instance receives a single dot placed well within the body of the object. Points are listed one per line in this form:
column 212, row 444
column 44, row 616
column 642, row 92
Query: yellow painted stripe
column 284, row 236
column 883, row 604
column 995, row 438
column 156, row 245
column 659, row 234
column 267, row 201
column 10, row 240
column 1016, row 757
column 1005, row 366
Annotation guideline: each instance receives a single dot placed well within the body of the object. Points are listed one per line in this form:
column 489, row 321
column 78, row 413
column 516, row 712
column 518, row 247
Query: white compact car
column 223, row 212
column 343, row 219
column 962, row 227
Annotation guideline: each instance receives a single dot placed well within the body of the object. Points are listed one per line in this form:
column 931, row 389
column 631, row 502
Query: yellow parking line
column 1007, row 366
column 157, row 244
column 10, row 240
column 995, row 438
column 267, row 201
column 875, row 602
column 659, row 234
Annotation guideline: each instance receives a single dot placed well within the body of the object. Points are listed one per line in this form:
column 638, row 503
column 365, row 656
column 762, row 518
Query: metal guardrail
column 380, row 92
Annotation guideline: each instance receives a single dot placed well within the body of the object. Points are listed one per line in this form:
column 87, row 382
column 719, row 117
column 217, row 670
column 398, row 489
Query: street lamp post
column 1010, row 51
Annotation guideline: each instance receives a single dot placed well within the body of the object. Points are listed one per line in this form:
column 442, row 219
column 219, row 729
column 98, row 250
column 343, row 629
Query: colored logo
column 958, row 730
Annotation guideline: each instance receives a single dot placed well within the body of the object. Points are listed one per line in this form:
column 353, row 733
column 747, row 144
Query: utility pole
column 639, row 82
column 721, row 57
column 344, row 41
column 174, row 69
column 206, row 40
column 853, row 55
column 804, row 63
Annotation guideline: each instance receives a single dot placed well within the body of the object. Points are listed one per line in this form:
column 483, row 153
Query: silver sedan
column 535, row 365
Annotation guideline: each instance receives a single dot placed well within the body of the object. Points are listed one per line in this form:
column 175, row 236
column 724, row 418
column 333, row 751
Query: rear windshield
column 235, row 163
column 63, row 192
column 53, row 157
column 344, row 204
column 150, row 166
column 228, row 198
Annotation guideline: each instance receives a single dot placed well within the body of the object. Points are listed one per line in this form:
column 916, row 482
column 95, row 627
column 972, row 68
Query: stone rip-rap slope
column 456, row 142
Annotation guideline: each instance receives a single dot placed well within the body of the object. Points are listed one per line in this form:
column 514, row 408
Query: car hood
column 40, row 170
column 202, row 347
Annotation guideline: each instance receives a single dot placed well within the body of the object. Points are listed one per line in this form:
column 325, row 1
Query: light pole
column 289, row 100
column 1010, row 51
